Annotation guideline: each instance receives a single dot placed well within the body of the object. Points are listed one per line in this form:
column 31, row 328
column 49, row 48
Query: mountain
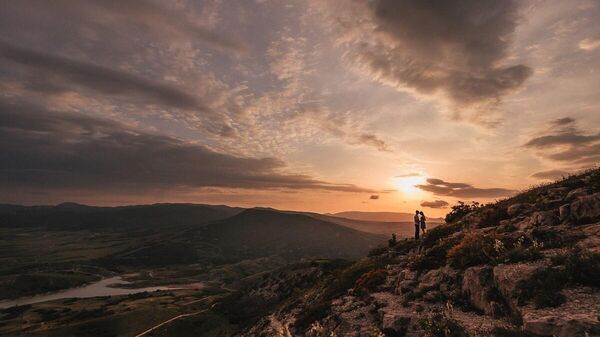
column 527, row 266
column 382, row 216
column 264, row 232
column 122, row 218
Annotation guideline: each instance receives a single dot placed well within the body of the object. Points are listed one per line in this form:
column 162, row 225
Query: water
column 100, row 288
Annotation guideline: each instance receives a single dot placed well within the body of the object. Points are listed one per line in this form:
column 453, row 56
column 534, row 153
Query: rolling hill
column 382, row 216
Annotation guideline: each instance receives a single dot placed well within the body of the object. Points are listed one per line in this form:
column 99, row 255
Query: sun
column 408, row 185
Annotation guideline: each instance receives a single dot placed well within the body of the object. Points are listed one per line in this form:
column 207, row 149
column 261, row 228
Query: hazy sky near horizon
column 321, row 105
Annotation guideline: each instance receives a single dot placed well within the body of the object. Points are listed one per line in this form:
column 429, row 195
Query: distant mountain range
column 163, row 234
column 383, row 216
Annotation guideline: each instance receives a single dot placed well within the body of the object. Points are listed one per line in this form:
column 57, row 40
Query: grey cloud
column 550, row 174
column 374, row 197
column 372, row 140
column 435, row 204
column 57, row 73
column 455, row 47
column 462, row 190
column 564, row 142
column 46, row 150
column 412, row 174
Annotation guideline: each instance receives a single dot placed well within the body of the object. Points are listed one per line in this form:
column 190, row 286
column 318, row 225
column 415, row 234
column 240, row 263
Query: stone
column 516, row 209
column 544, row 218
column 476, row 284
column 576, row 193
column 586, row 207
column 395, row 324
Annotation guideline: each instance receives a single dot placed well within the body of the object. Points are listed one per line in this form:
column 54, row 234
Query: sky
column 318, row 105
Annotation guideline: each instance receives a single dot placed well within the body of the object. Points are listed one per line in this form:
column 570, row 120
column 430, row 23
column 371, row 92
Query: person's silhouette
column 417, row 223
column 423, row 223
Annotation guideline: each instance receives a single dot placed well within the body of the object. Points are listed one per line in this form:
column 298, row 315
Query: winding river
column 100, row 288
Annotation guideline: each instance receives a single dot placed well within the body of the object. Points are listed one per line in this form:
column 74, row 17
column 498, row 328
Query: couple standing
column 419, row 222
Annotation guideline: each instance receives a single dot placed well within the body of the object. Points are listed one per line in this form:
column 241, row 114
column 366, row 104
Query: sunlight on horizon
column 408, row 185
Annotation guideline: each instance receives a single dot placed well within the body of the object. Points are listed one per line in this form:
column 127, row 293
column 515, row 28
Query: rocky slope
column 525, row 266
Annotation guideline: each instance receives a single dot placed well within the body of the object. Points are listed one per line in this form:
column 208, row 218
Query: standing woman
column 423, row 224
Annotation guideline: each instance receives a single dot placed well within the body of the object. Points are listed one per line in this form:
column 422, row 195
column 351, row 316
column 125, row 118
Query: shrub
column 492, row 216
column 476, row 249
column 369, row 281
column 442, row 325
column 575, row 267
column 460, row 210
column 377, row 251
column 405, row 246
column 440, row 232
column 434, row 257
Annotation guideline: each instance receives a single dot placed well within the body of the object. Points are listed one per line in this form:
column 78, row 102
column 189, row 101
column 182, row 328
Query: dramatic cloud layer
column 52, row 73
column 458, row 48
column 462, row 190
column 435, row 204
column 550, row 174
column 45, row 149
column 564, row 142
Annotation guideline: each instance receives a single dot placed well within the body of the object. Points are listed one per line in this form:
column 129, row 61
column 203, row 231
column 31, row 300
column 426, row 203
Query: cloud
column 550, row 174
column 457, row 48
column 48, row 150
column 589, row 44
column 374, row 197
column 435, row 204
column 374, row 141
column 564, row 142
column 165, row 23
column 462, row 190
column 406, row 175
column 50, row 73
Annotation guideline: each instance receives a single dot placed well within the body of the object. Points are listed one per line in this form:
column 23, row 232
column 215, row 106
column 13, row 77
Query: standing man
column 417, row 223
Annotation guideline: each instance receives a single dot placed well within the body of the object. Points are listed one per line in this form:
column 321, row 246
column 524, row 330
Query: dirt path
column 167, row 322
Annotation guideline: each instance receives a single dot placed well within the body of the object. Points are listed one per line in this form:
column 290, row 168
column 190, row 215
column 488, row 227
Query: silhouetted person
column 417, row 223
column 423, row 224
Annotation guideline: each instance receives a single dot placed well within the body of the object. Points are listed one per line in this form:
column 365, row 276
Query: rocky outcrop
column 514, row 246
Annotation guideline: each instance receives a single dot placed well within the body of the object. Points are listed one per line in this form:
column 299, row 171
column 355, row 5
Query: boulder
column 394, row 324
column 576, row 193
column 578, row 317
column 478, row 283
column 591, row 241
column 516, row 209
column 508, row 276
column 545, row 218
column 586, row 207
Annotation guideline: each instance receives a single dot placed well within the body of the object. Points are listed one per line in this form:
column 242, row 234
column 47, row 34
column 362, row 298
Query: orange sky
column 320, row 105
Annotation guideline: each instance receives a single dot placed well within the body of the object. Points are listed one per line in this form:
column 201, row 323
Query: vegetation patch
column 369, row 281
column 576, row 267
column 438, row 233
column 476, row 249
column 442, row 325
column 435, row 257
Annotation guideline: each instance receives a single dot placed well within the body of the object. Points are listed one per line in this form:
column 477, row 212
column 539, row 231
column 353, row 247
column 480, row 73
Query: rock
column 431, row 280
column 564, row 212
column 516, row 209
column 592, row 238
column 586, row 207
column 578, row 317
column 576, row 193
column 508, row 276
column 395, row 324
column 477, row 282
column 545, row 218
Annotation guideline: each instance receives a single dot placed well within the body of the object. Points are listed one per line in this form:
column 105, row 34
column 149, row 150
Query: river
column 100, row 288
